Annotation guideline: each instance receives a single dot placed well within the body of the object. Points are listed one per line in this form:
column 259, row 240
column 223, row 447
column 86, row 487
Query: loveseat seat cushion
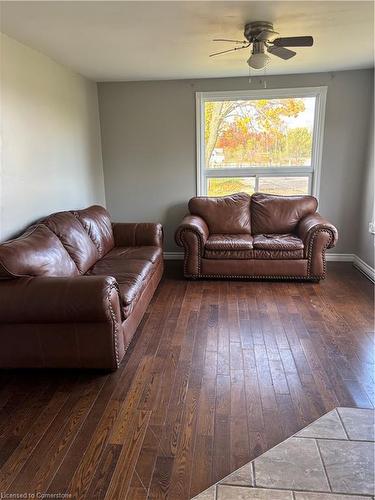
column 279, row 214
column 37, row 252
column 278, row 246
column 97, row 223
column 277, row 242
column 223, row 214
column 261, row 246
column 74, row 238
column 229, row 242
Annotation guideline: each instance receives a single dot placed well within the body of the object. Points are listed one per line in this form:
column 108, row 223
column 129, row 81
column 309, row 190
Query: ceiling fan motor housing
column 254, row 29
column 258, row 48
column 263, row 38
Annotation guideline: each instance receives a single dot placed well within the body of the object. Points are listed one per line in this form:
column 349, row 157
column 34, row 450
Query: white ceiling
column 106, row 40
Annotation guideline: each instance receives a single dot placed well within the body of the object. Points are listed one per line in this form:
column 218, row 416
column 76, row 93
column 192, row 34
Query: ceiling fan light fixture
column 260, row 36
column 258, row 60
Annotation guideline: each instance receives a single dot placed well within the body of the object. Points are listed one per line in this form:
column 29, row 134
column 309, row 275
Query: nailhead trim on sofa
column 316, row 231
column 187, row 252
column 114, row 321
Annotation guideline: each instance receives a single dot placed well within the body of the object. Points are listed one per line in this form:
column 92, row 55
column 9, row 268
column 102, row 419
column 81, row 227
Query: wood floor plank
column 148, row 455
column 221, row 457
column 204, row 435
column 183, row 462
column 82, row 477
column 125, row 466
column 15, row 462
column 104, row 472
column 38, row 471
column 92, row 437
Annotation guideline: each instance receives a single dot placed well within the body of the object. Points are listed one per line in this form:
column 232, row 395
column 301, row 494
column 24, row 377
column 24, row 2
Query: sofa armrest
column 195, row 224
column 60, row 300
column 312, row 224
column 129, row 234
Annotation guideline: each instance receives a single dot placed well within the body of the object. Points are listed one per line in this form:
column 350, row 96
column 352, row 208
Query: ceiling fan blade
column 294, row 41
column 226, row 40
column 266, row 35
column 281, row 52
column 229, row 50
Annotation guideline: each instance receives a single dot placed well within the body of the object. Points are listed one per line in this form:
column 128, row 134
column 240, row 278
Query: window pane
column 259, row 133
column 284, row 185
column 221, row 186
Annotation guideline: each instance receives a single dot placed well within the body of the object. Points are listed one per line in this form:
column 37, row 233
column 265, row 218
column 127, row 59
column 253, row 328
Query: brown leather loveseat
column 262, row 236
column 73, row 289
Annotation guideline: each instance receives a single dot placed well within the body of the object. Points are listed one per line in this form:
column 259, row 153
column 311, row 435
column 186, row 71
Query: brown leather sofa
column 262, row 236
column 73, row 289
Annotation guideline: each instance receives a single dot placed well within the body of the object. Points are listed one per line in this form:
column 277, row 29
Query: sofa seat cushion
column 145, row 253
column 229, row 242
column 131, row 286
column 131, row 271
column 277, row 242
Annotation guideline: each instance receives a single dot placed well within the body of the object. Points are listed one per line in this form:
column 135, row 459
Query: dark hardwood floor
column 218, row 373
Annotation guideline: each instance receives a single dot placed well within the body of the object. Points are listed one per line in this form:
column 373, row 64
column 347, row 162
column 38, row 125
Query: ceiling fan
column 262, row 37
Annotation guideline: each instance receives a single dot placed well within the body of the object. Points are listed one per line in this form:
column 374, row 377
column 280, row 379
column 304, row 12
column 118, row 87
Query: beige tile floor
column 331, row 459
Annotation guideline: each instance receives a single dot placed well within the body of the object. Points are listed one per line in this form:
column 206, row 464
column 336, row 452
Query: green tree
column 298, row 144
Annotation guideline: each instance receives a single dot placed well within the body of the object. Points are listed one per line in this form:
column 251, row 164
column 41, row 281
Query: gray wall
column 365, row 250
column 51, row 151
column 148, row 142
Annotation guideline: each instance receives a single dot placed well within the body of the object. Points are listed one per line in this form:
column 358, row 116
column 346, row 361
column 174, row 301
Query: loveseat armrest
column 134, row 234
column 80, row 299
column 310, row 225
column 195, row 224
column 192, row 234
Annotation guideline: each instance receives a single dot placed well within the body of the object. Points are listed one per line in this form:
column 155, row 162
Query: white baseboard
column 360, row 264
column 331, row 257
column 339, row 257
column 173, row 255
column 367, row 270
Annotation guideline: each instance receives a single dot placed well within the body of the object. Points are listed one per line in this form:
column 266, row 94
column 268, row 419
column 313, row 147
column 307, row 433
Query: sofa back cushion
column 224, row 214
column 279, row 214
column 74, row 238
column 97, row 223
column 37, row 252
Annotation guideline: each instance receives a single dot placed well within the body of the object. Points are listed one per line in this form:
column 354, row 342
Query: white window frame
column 313, row 172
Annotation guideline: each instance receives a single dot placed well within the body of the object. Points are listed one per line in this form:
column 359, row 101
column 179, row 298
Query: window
column 263, row 140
